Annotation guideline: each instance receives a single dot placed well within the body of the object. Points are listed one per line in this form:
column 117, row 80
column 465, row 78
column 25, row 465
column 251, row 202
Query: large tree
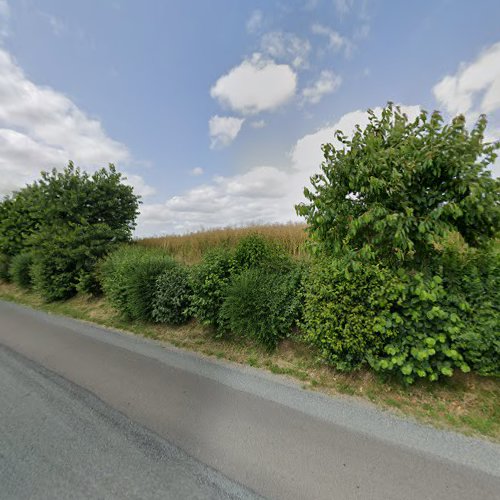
column 397, row 187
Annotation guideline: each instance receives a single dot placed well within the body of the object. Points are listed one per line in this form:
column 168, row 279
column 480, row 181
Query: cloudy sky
column 216, row 110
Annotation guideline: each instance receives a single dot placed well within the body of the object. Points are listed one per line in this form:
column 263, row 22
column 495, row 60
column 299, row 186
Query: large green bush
column 262, row 305
column 255, row 251
column 20, row 269
column 70, row 220
column 209, row 280
column 473, row 277
column 128, row 278
column 428, row 320
column 172, row 296
column 347, row 309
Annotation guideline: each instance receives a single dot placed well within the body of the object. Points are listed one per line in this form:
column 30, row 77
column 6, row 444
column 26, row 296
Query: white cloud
column 336, row 41
column 263, row 194
column 475, row 87
column 286, row 47
column 327, row 83
column 196, row 172
column 57, row 26
column 257, row 84
column 223, row 130
column 254, row 22
column 41, row 129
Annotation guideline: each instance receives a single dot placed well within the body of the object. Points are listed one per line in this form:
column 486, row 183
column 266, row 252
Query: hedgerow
column 172, row 297
column 20, row 269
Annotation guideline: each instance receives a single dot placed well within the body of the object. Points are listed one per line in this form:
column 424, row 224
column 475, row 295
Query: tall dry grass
column 189, row 248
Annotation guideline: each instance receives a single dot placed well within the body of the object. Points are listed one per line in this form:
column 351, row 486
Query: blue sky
column 216, row 110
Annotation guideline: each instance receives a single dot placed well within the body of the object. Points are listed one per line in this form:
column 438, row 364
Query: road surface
column 87, row 412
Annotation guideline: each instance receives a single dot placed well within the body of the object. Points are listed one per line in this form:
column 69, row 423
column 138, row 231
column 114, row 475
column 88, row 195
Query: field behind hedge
column 189, row 248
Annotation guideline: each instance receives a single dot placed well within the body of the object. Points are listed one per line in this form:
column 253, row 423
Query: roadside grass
column 466, row 403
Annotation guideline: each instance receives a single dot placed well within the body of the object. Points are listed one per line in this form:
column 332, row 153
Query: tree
column 69, row 219
column 395, row 189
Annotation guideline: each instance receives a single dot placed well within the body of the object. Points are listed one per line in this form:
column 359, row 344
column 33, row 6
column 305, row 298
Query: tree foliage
column 397, row 187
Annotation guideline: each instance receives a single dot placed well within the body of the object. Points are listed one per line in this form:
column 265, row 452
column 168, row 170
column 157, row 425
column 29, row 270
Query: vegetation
column 400, row 282
column 20, row 269
column 68, row 220
column 172, row 296
column 190, row 248
column 393, row 211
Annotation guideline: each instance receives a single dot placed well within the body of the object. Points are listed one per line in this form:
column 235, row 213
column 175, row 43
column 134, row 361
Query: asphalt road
column 87, row 412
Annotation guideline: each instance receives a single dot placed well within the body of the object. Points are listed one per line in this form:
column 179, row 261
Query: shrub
column 473, row 276
column 172, row 296
column 129, row 279
column 262, row 305
column 346, row 310
column 113, row 273
column 4, row 267
column 255, row 251
column 428, row 321
column 20, row 269
column 208, row 281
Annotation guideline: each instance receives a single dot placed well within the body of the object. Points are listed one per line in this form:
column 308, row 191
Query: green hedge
column 20, row 269
column 4, row 267
column 128, row 277
column 172, row 296
column 262, row 305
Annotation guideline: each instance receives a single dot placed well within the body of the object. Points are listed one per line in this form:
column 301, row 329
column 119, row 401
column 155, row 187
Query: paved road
column 105, row 414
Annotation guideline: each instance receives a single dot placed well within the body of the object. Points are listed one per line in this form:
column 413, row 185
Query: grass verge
column 466, row 403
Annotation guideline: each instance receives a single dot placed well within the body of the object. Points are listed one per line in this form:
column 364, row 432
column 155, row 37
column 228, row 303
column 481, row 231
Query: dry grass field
column 189, row 248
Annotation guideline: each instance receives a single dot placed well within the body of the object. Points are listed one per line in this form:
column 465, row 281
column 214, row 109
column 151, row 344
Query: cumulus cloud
column 223, row 130
column 254, row 22
column 327, row 83
column 258, row 124
column 343, row 6
column 286, row 47
column 41, row 129
column 263, row 194
column 475, row 87
column 257, row 84
column 336, row 41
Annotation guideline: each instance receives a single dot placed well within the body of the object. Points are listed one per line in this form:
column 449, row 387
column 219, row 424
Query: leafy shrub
column 208, row 281
column 473, row 276
column 428, row 321
column 129, row 277
column 346, row 310
column 263, row 305
column 172, row 296
column 255, row 251
column 20, row 269
column 4, row 267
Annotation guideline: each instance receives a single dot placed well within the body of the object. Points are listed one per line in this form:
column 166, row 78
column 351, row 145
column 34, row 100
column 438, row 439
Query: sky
column 215, row 110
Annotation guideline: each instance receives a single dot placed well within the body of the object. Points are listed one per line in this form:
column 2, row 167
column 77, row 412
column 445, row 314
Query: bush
column 255, row 251
column 20, row 269
column 262, row 305
column 428, row 321
column 4, row 267
column 473, row 276
column 172, row 296
column 129, row 278
column 208, row 281
column 346, row 311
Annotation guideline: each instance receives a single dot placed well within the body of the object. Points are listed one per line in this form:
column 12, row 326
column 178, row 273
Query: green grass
column 466, row 403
